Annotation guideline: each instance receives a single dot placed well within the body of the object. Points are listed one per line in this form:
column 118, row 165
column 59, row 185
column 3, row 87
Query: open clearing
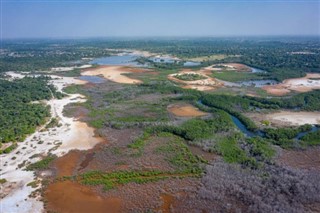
column 115, row 73
column 185, row 110
column 310, row 82
column 287, row 118
column 211, row 57
column 202, row 85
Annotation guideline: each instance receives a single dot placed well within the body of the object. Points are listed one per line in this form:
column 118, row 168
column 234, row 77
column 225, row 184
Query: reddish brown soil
column 66, row 165
column 185, row 110
column 70, row 197
column 167, row 203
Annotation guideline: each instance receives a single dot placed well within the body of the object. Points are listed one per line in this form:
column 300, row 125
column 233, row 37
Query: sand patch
column 295, row 118
column 286, row 118
column 185, row 110
column 308, row 83
column 115, row 73
column 208, row 83
column 81, row 138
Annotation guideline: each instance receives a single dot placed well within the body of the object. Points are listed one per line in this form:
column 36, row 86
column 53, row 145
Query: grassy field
column 211, row 57
column 234, row 76
column 189, row 77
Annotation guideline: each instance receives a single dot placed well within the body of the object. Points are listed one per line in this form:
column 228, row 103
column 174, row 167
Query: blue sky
column 51, row 18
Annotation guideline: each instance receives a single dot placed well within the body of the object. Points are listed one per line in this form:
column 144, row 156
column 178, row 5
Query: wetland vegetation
column 149, row 146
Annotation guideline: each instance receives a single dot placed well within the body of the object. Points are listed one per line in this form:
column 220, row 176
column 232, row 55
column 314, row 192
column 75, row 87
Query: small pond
column 301, row 134
column 256, row 70
column 191, row 64
column 92, row 79
column 257, row 83
column 121, row 59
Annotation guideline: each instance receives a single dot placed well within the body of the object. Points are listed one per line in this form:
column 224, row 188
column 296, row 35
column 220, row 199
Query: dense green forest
column 281, row 57
column 18, row 115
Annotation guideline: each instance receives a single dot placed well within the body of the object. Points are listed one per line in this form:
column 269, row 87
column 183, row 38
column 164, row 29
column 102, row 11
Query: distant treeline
column 283, row 57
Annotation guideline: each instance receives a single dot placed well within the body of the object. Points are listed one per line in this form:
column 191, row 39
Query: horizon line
column 161, row 36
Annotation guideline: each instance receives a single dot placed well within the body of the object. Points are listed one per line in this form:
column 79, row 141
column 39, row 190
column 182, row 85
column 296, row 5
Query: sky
column 106, row 18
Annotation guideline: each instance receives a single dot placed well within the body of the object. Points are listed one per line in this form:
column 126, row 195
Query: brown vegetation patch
column 302, row 159
column 205, row 155
column 185, row 110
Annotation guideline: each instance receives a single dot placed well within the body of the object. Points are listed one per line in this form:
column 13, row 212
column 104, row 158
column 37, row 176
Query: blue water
column 191, row 64
column 301, row 134
column 239, row 124
column 249, row 133
column 242, row 127
column 129, row 60
column 92, row 79
column 256, row 70
column 125, row 60
column 162, row 60
column 258, row 83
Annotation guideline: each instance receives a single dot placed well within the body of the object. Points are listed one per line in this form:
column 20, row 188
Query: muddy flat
column 286, row 118
column 66, row 164
column 295, row 118
column 185, row 110
column 69, row 196
column 115, row 73
column 72, row 197
column 308, row 83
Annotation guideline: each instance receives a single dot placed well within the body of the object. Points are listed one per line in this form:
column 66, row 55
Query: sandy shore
column 115, row 73
column 70, row 135
column 185, row 110
column 308, row 83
